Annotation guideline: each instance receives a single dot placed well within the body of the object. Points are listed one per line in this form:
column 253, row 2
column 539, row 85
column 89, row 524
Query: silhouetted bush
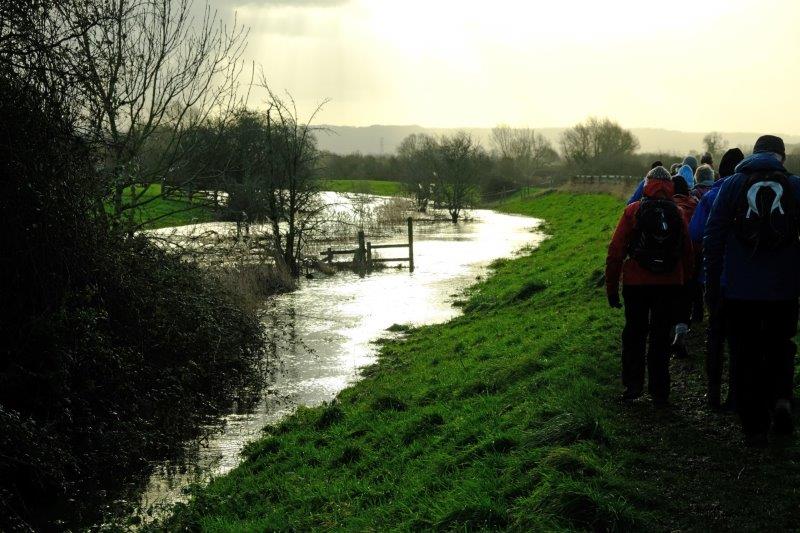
column 111, row 350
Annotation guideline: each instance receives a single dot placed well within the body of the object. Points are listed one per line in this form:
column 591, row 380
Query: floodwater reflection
column 321, row 335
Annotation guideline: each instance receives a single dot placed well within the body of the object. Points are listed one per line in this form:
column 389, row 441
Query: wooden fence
column 363, row 258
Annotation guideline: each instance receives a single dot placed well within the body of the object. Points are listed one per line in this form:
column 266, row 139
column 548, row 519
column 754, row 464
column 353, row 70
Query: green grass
column 376, row 187
column 172, row 211
column 164, row 212
column 506, row 418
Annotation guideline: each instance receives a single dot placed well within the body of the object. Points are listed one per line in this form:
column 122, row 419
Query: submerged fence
column 363, row 258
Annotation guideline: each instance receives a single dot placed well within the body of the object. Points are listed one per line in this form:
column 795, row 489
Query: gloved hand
column 613, row 299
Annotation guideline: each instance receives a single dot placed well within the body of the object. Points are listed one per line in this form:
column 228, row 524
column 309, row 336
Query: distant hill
column 385, row 139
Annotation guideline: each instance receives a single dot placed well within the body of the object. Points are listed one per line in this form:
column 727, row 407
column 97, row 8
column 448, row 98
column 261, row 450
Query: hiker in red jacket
column 652, row 253
column 684, row 199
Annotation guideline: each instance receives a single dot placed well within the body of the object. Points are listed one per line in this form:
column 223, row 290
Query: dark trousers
column 698, row 307
column 683, row 303
column 649, row 317
column 689, row 307
column 715, row 352
column 696, row 292
column 761, row 335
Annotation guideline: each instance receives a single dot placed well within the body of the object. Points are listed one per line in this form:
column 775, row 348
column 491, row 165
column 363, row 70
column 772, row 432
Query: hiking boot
column 660, row 403
column 782, row 418
column 631, row 394
column 756, row 440
column 679, row 342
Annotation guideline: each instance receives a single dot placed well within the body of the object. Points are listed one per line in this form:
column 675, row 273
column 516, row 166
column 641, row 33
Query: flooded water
column 322, row 334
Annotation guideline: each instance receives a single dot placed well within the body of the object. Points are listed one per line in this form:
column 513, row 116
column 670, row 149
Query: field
column 376, row 187
column 164, row 212
column 176, row 211
column 507, row 417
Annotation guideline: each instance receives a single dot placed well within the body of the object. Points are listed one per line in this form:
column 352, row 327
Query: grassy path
column 704, row 476
column 506, row 418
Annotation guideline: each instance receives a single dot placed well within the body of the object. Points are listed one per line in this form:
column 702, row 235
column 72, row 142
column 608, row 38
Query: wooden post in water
column 410, row 245
column 330, row 255
column 369, row 256
column 361, row 256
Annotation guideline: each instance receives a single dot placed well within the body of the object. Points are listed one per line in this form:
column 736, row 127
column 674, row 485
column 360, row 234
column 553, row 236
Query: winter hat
column 656, row 164
column 707, row 159
column 770, row 143
column 691, row 161
column 673, row 169
column 681, row 187
column 704, row 174
column 727, row 164
column 663, row 189
column 658, row 173
column 688, row 174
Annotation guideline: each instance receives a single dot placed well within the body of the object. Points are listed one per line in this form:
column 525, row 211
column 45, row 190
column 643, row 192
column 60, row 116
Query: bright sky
column 692, row 65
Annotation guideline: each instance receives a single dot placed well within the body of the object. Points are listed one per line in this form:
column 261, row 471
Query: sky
column 691, row 65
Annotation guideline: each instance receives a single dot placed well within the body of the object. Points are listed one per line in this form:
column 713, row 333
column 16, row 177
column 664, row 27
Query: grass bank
column 376, row 187
column 506, row 418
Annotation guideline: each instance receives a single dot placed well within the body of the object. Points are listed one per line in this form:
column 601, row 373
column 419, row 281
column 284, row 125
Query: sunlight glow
column 680, row 64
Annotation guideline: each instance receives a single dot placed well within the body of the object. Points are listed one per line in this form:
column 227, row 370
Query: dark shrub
column 111, row 350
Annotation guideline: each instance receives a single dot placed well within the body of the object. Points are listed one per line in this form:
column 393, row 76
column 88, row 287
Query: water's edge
column 322, row 335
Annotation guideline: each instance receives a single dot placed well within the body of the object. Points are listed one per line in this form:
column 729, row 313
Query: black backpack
column 657, row 242
column 767, row 212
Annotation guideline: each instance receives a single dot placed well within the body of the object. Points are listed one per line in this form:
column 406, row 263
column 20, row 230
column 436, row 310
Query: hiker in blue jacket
column 752, row 249
column 688, row 175
column 715, row 330
column 727, row 166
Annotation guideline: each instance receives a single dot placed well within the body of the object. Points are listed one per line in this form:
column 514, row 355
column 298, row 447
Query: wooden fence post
column 410, row 245
column 362, row 254
column 369, row 256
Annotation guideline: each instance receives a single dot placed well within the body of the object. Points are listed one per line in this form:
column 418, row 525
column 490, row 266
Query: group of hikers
column 725, row 239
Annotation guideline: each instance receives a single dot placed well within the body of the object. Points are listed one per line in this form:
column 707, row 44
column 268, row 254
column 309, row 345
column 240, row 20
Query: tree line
column 520, row 156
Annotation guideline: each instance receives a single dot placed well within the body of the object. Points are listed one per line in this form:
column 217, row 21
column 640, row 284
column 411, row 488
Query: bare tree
column 30, row 32
column 148, row 73
column 272, row 176
column 715, row 144
column 31, row 36
column 292, row 171
column 501, row 140
column 460, row 162
column 527, row 150
column 416, row 160
column 598, row 145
